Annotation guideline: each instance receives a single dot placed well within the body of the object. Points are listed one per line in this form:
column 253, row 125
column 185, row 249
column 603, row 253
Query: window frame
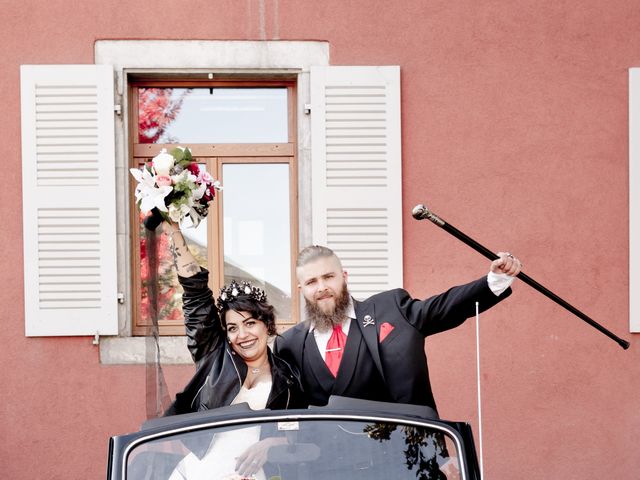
column 194, row 59
column 215, row 156
column 634, row 199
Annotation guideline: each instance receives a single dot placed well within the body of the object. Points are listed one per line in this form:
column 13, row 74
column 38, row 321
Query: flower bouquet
column 174, row 187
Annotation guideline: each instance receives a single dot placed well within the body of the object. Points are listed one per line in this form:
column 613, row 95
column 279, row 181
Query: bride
column 228, row 343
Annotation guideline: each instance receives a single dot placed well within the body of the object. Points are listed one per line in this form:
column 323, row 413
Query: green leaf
column 178, row 154
column 165, row 215
column 184, row 163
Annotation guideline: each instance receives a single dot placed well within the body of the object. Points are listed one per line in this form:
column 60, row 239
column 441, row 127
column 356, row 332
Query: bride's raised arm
column 185, row 262
column 202, row 323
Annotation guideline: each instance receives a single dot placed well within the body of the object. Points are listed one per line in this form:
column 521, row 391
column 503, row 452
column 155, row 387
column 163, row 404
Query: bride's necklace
column 257, row 370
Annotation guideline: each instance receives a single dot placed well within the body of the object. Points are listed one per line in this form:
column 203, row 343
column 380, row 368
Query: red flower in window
column 157, row 108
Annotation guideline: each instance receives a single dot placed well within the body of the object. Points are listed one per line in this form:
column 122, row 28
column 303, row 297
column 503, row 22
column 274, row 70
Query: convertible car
column 347, row 439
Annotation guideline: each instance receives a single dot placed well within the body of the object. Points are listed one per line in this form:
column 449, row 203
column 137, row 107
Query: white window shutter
column 68, row 189
column 357, row 175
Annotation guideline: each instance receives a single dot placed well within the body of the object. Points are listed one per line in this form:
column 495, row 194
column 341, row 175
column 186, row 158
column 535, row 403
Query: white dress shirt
column 499, row 282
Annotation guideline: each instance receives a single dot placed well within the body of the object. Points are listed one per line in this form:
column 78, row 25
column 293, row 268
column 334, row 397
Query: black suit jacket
column 396, row 368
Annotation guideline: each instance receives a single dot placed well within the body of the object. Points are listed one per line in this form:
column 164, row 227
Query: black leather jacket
column 219, row 371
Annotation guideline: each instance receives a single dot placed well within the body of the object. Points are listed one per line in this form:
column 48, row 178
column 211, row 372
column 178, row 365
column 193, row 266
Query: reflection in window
column 169, row 290
column 257, row 229
column 216, row 115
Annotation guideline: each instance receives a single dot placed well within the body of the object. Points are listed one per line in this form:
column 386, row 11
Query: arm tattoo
column 175, row 245
column 181, row 242
column 192, row 267
column 182, row 258
column 174, row 254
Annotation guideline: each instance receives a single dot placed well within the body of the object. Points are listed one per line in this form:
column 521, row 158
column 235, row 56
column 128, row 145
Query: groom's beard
column 325, row 322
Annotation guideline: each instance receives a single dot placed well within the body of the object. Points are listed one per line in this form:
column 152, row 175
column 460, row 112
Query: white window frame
column 634, row 200
column 197, row 58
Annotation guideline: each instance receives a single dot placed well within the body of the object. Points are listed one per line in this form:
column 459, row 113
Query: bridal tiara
column 231, row 292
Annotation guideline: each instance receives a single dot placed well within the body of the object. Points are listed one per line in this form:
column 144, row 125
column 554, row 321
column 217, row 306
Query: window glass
column 231, row 124
column 257, row 243
column 169, row 292
column 309, row 449
column 212, row 115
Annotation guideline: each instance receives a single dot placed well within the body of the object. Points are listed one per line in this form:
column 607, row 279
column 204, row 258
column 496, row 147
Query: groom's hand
column 506, row 263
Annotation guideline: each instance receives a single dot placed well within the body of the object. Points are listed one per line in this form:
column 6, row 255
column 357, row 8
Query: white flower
column 184, row 176
column 177, row 213
column 199, row 191
column 147, row 193
column 163, row 162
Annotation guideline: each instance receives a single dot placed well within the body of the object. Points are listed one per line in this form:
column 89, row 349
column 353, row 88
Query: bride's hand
column 254, row 457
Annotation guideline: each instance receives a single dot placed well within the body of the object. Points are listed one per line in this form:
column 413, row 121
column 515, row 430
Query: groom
column 374, row 349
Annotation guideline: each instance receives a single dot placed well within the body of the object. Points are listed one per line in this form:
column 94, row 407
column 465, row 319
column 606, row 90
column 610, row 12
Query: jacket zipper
column 234, row 366
column 199, row 390
column 207, row 379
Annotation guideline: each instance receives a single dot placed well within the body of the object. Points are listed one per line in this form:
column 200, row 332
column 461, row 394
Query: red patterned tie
column 335, row 348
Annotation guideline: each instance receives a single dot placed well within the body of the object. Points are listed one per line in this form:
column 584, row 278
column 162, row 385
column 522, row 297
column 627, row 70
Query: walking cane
column 420, row 212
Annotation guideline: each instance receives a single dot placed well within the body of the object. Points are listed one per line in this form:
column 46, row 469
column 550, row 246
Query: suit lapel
column 316, row 364
column 349, row 359
column 297, row 342
column 368, row 325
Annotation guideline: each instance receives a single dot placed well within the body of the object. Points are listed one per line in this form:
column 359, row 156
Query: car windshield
column 303, row 449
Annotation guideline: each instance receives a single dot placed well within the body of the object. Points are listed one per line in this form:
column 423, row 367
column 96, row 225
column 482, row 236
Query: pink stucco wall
column 514, row 125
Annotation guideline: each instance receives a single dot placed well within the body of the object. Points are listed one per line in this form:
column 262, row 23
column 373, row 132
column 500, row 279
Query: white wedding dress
column 219, row 463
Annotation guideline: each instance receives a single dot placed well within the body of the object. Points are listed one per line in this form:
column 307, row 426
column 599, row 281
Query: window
column 243, row 133
column 342, row 153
